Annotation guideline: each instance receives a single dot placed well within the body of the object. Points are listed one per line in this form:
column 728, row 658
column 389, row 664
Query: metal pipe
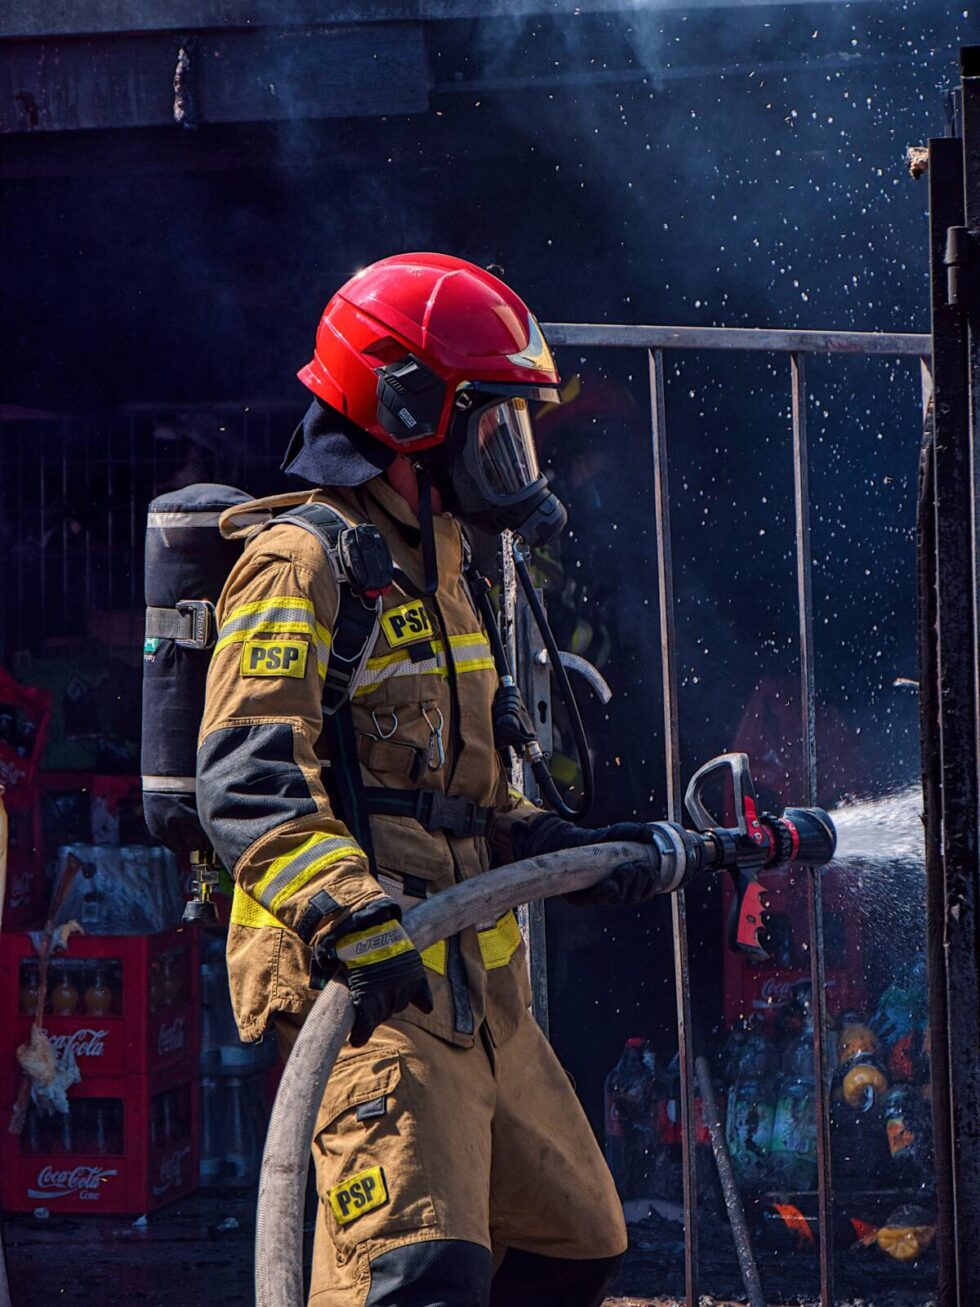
column 729, row 1186
column 678, row 909
column 813, row 875
column 623, row 335
column 282, row 1187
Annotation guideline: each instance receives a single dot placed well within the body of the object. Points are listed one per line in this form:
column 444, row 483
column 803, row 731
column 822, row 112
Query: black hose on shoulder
column 539, row 766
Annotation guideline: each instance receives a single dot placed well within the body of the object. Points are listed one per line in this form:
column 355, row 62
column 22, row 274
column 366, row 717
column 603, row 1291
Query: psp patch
column 275, row 658
column 407, row 624
column 359, row 1194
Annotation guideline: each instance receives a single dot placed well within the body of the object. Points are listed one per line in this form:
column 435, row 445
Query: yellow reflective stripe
column 289, row 872
column 434, row 957
column 246, row 912
column 399, row 663
column 499, row 944
column 476, row 665
column 375, row 944
column 280, row 614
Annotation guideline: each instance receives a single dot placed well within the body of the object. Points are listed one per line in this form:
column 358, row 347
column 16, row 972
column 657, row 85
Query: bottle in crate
column 631, row 1092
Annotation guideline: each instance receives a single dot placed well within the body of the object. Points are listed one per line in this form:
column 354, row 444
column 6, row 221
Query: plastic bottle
column 98, row 996
column 64, row 996
column 630, row 1098
column 752, row 1107
column 793, row 1148
column 30, row 988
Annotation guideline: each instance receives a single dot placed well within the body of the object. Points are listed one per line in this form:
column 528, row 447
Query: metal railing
column 655, row 340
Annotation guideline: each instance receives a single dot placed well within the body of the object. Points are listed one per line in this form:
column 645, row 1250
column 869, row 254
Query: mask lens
column 505, row 443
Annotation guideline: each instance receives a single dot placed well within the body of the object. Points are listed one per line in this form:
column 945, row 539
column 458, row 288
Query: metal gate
column 794, row 346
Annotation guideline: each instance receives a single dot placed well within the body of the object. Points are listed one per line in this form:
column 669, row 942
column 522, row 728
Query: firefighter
column 343, row 779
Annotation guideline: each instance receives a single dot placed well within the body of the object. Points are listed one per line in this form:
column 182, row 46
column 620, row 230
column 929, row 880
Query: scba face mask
column 493, row 466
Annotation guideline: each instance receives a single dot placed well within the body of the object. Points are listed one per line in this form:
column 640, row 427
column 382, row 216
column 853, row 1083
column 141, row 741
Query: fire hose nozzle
column 758, row 842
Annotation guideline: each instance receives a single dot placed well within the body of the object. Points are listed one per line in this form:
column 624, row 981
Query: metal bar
column 814, row 884
column 944, row 606
column 961, row 782
column 729, row 1185
column 744, row 338
column 678, row 910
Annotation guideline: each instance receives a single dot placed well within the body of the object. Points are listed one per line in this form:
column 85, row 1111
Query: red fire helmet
column 425, row 327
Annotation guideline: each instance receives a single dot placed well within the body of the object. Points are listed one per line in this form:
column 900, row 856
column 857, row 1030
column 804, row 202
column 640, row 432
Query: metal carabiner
column 382, row 733
column 436, row 750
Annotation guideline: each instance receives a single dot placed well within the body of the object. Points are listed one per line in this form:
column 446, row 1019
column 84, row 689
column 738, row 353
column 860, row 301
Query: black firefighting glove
column 629, row 883
column 384, row 970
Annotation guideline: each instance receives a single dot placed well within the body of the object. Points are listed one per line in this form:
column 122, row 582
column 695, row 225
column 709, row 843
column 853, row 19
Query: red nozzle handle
column 745, row 922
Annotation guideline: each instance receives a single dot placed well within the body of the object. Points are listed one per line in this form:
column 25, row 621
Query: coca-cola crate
column 124, row 1004
column 128, row 1145
column 754, row 986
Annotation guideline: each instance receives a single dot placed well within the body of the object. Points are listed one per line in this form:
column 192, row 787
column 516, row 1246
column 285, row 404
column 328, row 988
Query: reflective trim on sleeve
column 279, row 615
column 246, row 912
column 499, row 944
column 362, row 948
column 288, row 874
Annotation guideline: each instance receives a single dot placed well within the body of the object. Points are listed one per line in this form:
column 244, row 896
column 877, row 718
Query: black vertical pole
column 814, row 883
column 957, row 465
column 682, row 974
column 942, row 557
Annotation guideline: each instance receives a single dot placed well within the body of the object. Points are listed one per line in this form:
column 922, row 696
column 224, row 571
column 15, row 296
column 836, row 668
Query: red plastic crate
column 752, row 986
column 153, row 1021
column 24, row 901
column 27, row 719
column 131, row 1145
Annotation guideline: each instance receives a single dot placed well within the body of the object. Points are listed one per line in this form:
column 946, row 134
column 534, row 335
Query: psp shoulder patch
column 358, row 1194
column 407, row 624
column 275, row 658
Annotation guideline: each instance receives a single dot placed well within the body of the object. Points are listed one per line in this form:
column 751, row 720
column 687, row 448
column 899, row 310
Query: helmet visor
column 505, row 448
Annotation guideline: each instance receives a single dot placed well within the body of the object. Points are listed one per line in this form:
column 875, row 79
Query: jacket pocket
column 370, row 1176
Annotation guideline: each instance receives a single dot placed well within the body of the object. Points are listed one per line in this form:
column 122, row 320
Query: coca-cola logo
column 171, row 1037
column 85, row 1181
column 83, row 1043
column 172, row 1170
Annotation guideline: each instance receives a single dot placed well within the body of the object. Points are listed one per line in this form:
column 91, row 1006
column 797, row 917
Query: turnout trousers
column 458, row 1177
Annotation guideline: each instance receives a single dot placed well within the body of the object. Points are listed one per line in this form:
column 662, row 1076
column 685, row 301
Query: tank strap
column 190, row 623
column 358, row 611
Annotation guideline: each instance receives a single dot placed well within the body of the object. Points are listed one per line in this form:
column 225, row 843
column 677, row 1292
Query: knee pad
column 436, row 1273
column 530, row 1280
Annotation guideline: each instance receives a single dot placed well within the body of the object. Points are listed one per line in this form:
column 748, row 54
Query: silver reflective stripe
column 170, row 784
column 299, row 864
column 298, row 613
column 205, row 518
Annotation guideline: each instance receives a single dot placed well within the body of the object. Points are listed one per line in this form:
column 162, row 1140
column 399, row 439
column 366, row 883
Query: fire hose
column 803, row 835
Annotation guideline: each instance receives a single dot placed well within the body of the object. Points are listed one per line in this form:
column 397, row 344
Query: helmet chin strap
column 430, row 566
